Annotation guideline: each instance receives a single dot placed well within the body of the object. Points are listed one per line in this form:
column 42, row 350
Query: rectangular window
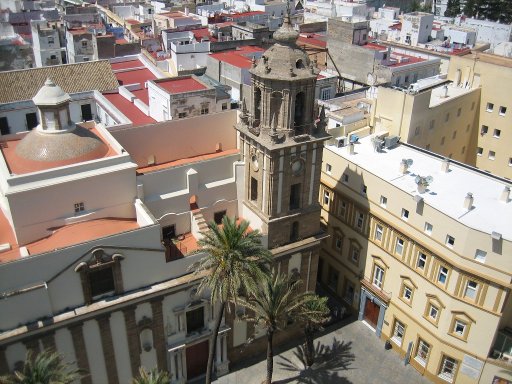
column 405, row 214
column 503, row 111
column 224, row 106
column 195, row 320
column 332, row 280
column 363, row 189
column 84, row 43
column 479, row 151
column 447, row 117
column 492, row 155
column 448, row 369
column 355, row 254
column 490, row 107
column 86, row 110
column 359, row 220
column 182, row 115
column 325, row 93
column 428, row 228
column 459, row 327
column 254, row 189
column 417, row 131
column 328, row 168
column 459, row 112
column 4, row 126
column 51, row 40
column 327, row 198
column 422, row 352
column 497, row 133
column 345, row 178
column 407, row 293
column 432, row 123
column 443, row 275
column 101, row 281
column 471, row 289
column 339, row 242
column 349, row 292
column 473, row 105
column 442, row 140
column 342, row 208
column 480, row 255
column 383, row 201
column 399, row 247
column 79, row 207
column 454, row 135
column 450, row 241
column 204, row 110
column 378, row 232
column 398, row 333
column 31, row 119
column 433, row 312
column 484, row 130
column 378, row 276
column 422, row 260
column 295, row 196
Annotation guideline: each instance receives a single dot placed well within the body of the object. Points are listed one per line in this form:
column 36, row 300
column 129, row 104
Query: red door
column 371, row 312
column 197, row 359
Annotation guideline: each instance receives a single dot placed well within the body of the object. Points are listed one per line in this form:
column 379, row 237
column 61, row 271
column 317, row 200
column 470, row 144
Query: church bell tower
column 281, row 141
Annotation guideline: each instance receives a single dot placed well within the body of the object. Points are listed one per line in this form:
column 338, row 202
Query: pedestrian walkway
column 354, row 356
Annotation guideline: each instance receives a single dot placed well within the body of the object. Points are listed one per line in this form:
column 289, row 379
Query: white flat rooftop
column 447, row 191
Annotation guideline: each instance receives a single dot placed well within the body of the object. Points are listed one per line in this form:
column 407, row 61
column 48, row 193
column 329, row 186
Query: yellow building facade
column 423, row 261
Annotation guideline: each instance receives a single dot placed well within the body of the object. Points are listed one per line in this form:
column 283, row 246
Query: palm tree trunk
column 310, row 347
column 270, row 356
column 213, row 342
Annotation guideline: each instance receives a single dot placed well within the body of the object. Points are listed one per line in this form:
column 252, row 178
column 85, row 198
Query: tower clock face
column 297, row 166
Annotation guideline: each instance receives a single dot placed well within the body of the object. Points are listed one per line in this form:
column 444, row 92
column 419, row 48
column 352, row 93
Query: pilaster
column 108, row 348
column 132, row 338
column 159, row 338
column 80, row 352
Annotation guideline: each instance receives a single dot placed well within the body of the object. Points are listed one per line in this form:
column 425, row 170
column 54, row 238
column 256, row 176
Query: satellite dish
column 429, row 179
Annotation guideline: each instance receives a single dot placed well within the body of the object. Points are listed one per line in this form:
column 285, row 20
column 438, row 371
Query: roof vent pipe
column 468, row 201
column 351, row 148
column 505, row 195
column 445, row 166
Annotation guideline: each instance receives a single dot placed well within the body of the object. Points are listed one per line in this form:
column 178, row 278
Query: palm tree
column 45, row 368
column 236, row 261
column 313, row 312
column 152, row 377
column 272, row 304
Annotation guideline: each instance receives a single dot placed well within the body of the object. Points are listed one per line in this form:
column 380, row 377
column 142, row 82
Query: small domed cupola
column 57, row 141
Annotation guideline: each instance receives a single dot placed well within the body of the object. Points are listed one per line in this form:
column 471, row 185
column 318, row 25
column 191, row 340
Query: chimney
column 403, row 166
column 505, row 195
column 445, row 166
column 468, row 201
column 351, row 148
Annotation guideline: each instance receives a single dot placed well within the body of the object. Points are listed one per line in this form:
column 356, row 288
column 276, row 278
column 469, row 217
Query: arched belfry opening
column 257, row 105
column 298, row 116
column 276, row 100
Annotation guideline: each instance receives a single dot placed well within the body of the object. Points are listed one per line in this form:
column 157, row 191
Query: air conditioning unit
column 341, row 141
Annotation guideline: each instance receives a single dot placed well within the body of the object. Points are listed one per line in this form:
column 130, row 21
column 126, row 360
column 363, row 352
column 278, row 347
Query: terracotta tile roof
column 72, row 78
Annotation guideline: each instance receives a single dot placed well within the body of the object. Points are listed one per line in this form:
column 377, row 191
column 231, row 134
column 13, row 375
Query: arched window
column 299, row 112
column 257, row 105
column 276, row 100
